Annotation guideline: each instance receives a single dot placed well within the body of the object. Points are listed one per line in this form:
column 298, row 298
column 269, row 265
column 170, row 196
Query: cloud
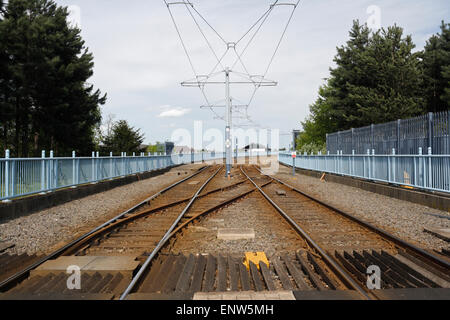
column 139, row 60
column 174, row 112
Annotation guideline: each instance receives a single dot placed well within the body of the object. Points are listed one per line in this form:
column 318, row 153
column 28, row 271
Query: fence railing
column 428, row 172
column 406, row 136
column 26, row 176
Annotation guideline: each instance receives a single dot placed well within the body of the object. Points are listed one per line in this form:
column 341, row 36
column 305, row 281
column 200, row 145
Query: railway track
column 354, row 244
column 136, row 256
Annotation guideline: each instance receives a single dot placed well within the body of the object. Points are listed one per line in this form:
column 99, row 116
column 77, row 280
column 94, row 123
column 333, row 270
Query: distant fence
column 428, row 172
column 405, row 136
column 25, row 176
column 21, row 177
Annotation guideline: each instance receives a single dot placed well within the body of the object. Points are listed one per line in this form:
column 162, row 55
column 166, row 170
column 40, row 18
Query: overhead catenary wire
column 251, row 28
column 181, row 38
column 282, row 37
column 219, row 61
column 253, row 37
column 275, row 52
column 202, row 81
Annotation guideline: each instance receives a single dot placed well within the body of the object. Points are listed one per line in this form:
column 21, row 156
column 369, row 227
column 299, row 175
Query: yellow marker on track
column 256, row 258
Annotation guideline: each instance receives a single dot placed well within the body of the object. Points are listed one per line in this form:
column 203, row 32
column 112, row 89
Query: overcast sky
column 139, row 60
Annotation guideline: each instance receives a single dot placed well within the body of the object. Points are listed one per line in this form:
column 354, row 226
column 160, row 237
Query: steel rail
column 165, row 238
column 216, row 207
column 138, row 215
column 330, row 261
column 418, row 251
column 66, row 247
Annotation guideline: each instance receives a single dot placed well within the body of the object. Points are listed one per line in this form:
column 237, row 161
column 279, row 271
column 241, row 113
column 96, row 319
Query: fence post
column 93, row 166
column 353, row 160
column 394, row 161
column 98, row 169
column 430, row 177
column 353, row 142
column 389, row 166
column 370, row 162
column 7, row 175
column 420, row 165
column 339, row 142
column 12, row 170
column 415, row 171
column 399, row 122
column 448, row 132
column 123, row 163
column 42, row 171
column 111, row 165
column 374, row 165
column 372, row 135
column 74, row 162
column 430, row 130
column 51, row 172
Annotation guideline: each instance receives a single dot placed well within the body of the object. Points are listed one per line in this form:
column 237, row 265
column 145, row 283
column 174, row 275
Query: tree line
column 379, row 78
column 46, row 101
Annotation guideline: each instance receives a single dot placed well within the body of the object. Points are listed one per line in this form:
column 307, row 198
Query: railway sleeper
column 397, row 271
column 178, row 274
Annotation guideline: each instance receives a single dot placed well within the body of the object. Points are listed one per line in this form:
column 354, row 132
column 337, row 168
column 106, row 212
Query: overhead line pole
column 229, row 124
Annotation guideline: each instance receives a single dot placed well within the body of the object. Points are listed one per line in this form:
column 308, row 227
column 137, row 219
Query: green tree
column 377, row 79
column 123, row 138
column 46, row 100
column 436, row 70
column 156, row 148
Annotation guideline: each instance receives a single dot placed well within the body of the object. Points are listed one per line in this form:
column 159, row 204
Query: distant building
column 169, row 146
column 181, row 149
column 255, row 147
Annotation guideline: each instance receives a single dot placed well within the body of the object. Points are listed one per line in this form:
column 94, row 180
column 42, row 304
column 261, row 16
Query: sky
column 140, row 61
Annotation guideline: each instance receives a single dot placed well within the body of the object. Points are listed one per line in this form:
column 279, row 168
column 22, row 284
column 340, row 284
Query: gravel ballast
column 403, row 219
column 272, row 233
column 47, row 230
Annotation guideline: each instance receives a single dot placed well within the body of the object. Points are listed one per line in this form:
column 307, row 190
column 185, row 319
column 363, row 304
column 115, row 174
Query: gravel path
column 45, row 231
column 401, row 218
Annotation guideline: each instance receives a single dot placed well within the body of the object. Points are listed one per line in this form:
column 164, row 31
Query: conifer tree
column 46, row 101
column 436, row 70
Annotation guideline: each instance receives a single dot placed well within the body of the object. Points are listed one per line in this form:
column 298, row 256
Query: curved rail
column 330, row 261
column 418, row 251
column 165, row 238
column 5, row 283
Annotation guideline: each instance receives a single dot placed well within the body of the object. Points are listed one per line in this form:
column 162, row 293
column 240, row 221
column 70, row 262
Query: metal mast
column 229, row 124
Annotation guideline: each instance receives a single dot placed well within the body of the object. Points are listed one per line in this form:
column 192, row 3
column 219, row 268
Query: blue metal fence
column 406, row 136
column 22, row 177
column 428, row 172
